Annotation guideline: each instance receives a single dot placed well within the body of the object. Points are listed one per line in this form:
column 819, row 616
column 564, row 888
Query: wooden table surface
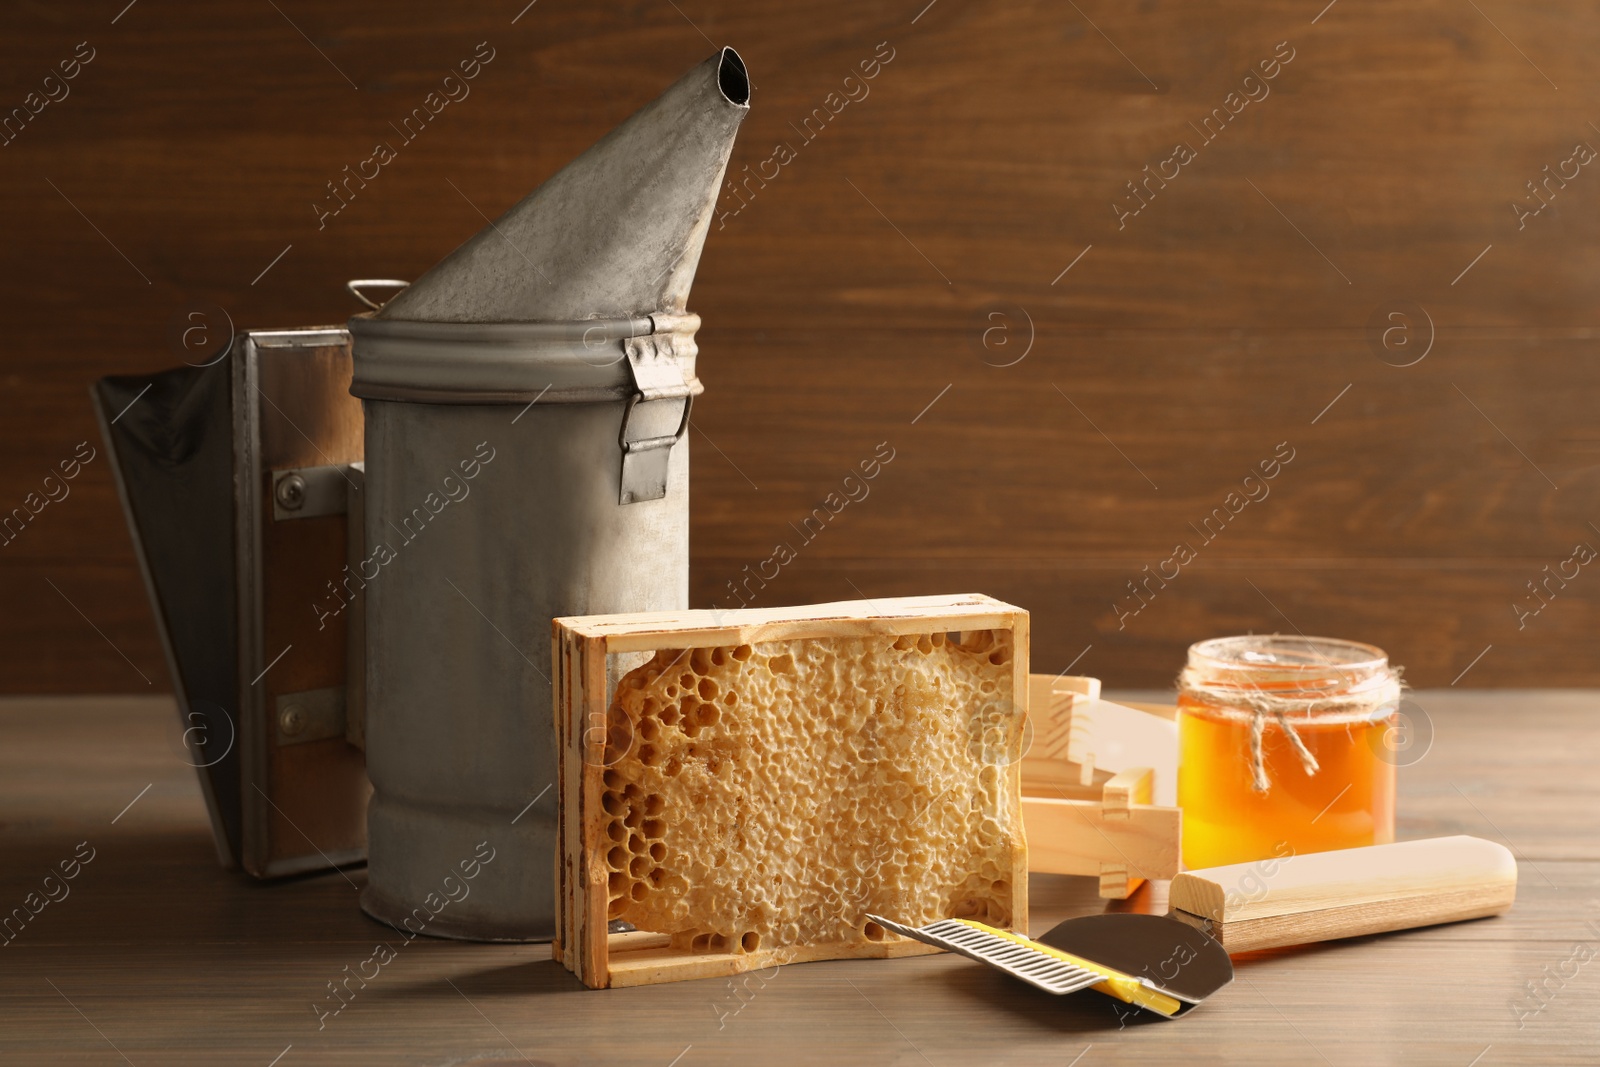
column 159, row 957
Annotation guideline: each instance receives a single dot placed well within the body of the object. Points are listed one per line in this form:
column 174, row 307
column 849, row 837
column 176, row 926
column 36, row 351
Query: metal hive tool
column 1151, row 961
column 1051, row 972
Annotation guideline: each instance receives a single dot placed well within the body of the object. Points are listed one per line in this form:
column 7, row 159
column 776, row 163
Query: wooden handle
column 1325, row 895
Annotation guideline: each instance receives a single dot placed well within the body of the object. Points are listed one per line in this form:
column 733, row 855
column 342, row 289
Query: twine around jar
column 1362, row 703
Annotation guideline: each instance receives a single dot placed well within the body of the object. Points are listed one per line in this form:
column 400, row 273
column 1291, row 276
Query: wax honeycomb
column 772, row 795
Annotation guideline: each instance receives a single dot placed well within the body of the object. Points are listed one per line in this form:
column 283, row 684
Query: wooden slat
column 1020, row 640
column 1126, row 788
column 562, row 705
column 1107, row 736
column 654, row 965
column 647, row 631
column 590, row 890
column 1077, row 837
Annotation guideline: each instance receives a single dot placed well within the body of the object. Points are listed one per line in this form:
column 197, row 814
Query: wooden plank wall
column 898, row 285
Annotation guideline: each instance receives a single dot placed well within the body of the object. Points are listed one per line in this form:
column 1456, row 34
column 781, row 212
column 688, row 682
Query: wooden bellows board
column 744, row 786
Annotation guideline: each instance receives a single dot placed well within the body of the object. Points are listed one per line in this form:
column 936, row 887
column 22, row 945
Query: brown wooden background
column 1190, row 343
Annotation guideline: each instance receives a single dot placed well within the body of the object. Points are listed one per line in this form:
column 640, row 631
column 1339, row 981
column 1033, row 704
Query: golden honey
column 1285, row 747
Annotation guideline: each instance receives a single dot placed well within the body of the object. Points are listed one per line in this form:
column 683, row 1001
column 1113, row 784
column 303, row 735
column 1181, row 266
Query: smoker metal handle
column 646, row 443
column 645, row 460
column 355, row 285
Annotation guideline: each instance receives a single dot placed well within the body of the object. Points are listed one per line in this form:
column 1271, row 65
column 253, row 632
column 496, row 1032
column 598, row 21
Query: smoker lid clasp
column 661, row 390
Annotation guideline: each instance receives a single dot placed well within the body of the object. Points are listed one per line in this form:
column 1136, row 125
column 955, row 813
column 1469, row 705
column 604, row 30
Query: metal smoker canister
column 526, row 406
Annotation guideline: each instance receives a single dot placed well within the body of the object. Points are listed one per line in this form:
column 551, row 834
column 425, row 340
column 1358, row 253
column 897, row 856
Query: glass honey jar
column 1284, row 748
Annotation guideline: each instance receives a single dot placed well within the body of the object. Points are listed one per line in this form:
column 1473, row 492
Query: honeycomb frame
column 587, row 652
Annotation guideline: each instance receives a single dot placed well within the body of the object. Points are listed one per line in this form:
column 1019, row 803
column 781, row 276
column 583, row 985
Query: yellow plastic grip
column 1124, row 987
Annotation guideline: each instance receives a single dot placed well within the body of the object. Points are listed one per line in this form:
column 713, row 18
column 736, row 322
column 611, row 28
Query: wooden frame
column 1087, row 805
column 580, row 647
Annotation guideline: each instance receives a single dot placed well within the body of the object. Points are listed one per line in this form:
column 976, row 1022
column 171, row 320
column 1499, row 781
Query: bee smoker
column 526, row 402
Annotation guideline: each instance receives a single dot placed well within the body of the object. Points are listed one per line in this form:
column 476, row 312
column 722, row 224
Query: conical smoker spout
column 527, row 402
column 616, row 233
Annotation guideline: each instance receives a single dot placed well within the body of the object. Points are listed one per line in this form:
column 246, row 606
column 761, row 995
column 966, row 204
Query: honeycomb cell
column 847, row 782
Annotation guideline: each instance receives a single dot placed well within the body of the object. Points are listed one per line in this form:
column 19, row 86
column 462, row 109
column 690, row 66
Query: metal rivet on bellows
column 292, row 720
column 291, row 492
